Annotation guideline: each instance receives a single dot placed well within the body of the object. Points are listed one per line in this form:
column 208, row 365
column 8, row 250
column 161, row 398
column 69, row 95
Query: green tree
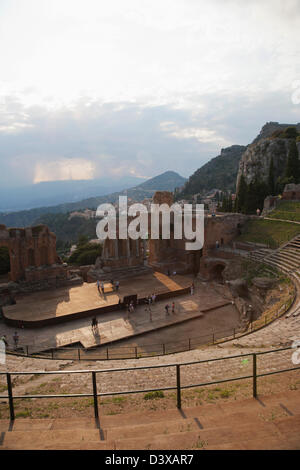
column 82, row 240
column 290, row 133
column 292, row 168
column 241, row 195
column 256, row 194
column 271, row 178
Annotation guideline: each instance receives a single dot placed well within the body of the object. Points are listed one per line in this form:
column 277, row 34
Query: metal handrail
column 178, row 386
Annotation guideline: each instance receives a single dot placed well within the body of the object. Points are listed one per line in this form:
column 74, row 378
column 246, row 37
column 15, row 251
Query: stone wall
column 291, row 192
column 31, row 250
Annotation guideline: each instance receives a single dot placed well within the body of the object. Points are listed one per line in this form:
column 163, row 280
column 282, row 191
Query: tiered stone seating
column 268, row 423
column 260, row 254
column 286, row 259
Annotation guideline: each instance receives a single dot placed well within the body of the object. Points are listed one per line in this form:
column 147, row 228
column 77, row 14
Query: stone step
column 277, row 265
column 202, row 437
column 292, row 252
column 281, row 258
column 179, row 434
column 227, row 425
column 295, row 254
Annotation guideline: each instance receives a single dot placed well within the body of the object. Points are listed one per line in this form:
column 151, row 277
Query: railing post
column 135, row 352
column 95, row 395
column 234, row 333
column 107, row 353
column 189, row 344
column 254, row 377
column 27, row 351
column 178, row 387
column 213, row 338
column 164, row 349
column 51, row 353
column 10, row 397
column 78, row 354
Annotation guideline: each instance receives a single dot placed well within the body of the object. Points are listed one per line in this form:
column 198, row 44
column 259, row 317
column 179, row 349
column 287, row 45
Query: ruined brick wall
column 171, row 254
column 29, row 249
column 223, row 229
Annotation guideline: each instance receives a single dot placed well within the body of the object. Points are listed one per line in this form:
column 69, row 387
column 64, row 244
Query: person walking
column 153, row 297
column 94, row 323
column 98, row 286
column 167, row 309
column 192, row 289
column 117, row 285
column 173, row 307
column 16, row 339
column 102, row 287
column 127, row 310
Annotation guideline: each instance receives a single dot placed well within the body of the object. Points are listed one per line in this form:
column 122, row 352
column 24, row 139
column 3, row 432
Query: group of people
column 130, row 308
column 151, row 299
column 101, row 288
column 167, row 308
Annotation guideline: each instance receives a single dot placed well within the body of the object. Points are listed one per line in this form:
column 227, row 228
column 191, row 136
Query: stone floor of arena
column 209, row 310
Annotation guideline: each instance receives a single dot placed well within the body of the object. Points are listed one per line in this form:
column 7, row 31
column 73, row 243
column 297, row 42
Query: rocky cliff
column 255, row 161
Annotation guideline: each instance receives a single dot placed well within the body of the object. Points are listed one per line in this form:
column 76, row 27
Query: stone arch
column 216, row 272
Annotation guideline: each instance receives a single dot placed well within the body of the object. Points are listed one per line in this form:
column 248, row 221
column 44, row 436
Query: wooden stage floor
column 67, row 301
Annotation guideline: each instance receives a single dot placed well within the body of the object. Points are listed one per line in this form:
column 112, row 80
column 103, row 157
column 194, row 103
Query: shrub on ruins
column 85, row 254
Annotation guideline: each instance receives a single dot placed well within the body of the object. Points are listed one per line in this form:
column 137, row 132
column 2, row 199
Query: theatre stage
column 47, row 307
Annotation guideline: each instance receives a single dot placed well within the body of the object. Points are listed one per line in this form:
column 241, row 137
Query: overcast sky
column 93, row 88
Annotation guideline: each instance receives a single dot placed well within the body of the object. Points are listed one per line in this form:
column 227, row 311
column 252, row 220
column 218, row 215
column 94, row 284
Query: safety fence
column 175, row 377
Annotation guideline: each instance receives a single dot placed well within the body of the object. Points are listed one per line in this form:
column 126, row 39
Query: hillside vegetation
column 269, row 232
column 69, row 230
column 286, row 210
column 219, row 173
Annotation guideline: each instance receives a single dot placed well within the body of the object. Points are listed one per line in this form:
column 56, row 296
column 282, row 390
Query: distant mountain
column 220, row 172
column 57, row 192
column 167, row 181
